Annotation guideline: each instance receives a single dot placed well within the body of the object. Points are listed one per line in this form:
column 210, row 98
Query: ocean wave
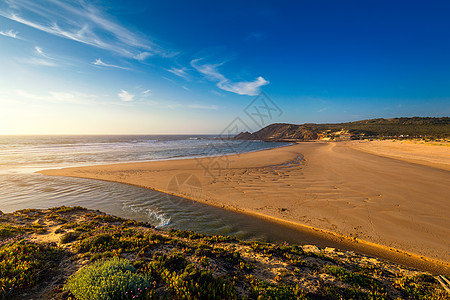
column 163, row 219
column 155, row 217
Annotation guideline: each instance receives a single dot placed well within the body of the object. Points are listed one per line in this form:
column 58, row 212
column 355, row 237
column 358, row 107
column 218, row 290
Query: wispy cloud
column 82, row 22
column 168, row 104
column 99, row 62
column 168, row 79
column 10, row 33
column 125, row 96
column 198, row 106
column 142, row 56
column 39, row 58
column 250, row 88
column 146, row 92
column 217, row 93
column 39, row 62
column 181, row 72
column 323, row 109
column 65, row 97
column 41, row 52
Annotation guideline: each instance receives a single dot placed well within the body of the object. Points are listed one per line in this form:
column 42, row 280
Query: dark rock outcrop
column 276, row 132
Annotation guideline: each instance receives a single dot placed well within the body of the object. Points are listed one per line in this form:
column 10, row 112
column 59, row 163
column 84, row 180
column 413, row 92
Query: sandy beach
column 347, row 190
column 435, row 154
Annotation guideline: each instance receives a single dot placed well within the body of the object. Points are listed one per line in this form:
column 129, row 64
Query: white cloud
column 209, row 70
column 99, row 62
column 181, row 72
column 39, row 62
column 27, row 95
column 55, row 97
column 186, row 88
column 146, row 93
column 217, row 93
column 125, row 96
column 323, row 109
column 168, row 79
column 39, row 58
column 82, row 22
column 10, row 33
column 41, row 52
column 198, row 106
column 62, row 96
column 168, row 104
column 250, row 88
column 142, row 56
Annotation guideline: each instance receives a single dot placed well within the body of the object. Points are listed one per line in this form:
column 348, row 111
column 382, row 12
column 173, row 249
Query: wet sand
column 386, row 206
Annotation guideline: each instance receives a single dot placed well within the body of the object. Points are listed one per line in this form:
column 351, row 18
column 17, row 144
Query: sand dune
column 331, row 186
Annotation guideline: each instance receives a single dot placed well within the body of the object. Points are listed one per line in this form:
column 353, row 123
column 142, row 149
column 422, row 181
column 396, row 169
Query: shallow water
column 21, row 188
column 164, row 211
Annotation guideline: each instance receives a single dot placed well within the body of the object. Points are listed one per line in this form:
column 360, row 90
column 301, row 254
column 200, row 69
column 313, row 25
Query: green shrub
column 27, row 210
column 98, row 243
column 260, row 289
column 108, row 218
column 356, row 279
column 108, row 279
column 420, row 286
column 22, row 262
column 7, row 231
column 63, row 208
column 56, row 217
column 186, row 281
column 194, row 283
column 69, row 237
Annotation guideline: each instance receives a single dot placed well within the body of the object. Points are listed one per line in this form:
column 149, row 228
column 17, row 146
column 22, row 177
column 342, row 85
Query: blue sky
column 136, row 67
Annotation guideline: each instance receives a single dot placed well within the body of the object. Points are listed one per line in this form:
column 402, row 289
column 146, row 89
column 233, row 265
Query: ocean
column 21, row 187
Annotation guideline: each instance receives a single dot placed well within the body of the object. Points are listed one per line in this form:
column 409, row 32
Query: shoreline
column 39, row 169
column 366, row 246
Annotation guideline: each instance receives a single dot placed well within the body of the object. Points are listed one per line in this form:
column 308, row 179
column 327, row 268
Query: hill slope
column 40, row 249
column 411, row 127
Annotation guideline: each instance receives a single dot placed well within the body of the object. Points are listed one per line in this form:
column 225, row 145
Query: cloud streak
column 57, row 97
column 99, row 62
column 39, row 62
column 180, row 72
column 80, row 22
column 41, row 52
column 10, row 33
column 211, row 72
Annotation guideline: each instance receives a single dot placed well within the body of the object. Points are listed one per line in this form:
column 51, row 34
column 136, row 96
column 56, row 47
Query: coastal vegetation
column 76, row 253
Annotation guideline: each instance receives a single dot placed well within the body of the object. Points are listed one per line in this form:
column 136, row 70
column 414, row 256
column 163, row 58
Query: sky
column 208, row 67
